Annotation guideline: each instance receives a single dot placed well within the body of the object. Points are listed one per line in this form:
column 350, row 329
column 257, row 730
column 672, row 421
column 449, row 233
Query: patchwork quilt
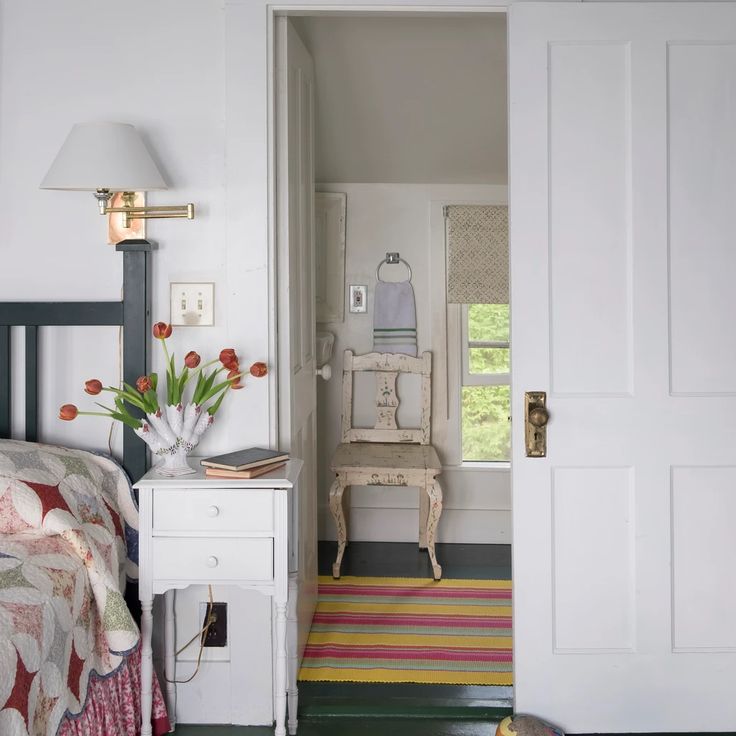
column 68, row 536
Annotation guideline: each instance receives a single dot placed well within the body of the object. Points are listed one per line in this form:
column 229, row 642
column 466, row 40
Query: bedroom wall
column 161, row 66
column 167, row 76
column 477, row 501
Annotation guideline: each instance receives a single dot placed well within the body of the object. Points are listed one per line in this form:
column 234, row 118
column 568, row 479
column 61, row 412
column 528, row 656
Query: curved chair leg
column 336, row 491
column 423, row 517
column 434, row 491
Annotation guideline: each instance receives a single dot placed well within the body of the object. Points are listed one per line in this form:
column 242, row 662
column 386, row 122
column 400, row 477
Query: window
column 471, row 393
column 485, row 391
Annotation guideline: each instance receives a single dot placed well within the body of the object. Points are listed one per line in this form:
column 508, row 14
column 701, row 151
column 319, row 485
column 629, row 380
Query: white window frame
column 449, row 336
column 477, row 379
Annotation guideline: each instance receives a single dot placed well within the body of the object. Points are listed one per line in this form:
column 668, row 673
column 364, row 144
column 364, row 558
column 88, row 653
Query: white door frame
column 318, row 9
column 275, row 285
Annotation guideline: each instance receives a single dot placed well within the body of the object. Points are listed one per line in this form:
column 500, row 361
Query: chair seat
column 384, row 456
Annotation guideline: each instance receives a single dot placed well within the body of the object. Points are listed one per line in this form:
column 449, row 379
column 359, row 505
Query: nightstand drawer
column 216, row 510
column 186, row 558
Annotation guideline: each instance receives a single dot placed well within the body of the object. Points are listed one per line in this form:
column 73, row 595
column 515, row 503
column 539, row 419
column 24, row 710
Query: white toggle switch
column 192, row 304
column 357, row 298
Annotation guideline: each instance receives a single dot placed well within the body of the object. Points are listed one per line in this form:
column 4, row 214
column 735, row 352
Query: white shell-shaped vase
column 172, row 434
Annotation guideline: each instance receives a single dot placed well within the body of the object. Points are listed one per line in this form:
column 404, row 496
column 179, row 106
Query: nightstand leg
column 146, row 666
column 170, row 661
column 293, row 697
column 280, row 699
column 292, row 663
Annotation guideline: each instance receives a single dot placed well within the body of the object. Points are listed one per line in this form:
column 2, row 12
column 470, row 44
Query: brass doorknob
column 538, row 416
column 535, row 426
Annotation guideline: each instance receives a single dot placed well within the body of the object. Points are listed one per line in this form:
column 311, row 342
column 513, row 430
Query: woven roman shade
column 478, row 254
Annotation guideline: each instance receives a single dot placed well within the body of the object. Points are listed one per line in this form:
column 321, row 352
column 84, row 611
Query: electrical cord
column 210, row 619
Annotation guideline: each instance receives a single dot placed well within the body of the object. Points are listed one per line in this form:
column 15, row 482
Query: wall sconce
column 104, row 158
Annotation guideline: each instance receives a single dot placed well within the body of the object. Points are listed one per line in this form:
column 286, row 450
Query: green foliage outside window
column 489, row 322
column 486, row 429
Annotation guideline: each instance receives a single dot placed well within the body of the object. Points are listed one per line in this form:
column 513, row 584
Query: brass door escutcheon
column 535, row 425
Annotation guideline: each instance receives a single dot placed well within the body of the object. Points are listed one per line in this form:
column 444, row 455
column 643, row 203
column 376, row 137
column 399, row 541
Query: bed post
column 31, row 383
column 136, row 326
column 4, row 381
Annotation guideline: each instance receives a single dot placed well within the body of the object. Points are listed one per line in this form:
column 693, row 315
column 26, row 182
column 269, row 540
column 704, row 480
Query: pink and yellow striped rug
column 410, row 630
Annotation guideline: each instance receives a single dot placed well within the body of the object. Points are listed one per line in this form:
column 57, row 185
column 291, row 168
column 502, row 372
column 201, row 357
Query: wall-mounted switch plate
column 193, row 304
column 358, row 298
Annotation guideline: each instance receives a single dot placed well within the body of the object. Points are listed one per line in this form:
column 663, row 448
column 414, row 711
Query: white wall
column 160, row 65
column 477, row 502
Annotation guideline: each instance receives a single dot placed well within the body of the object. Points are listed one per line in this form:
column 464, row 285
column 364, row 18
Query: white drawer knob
column 213, row 511
column 212, row 561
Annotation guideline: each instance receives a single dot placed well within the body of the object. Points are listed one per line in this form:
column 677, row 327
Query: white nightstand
column 195, row 531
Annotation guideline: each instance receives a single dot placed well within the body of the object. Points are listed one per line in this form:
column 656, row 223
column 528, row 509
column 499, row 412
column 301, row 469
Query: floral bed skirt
column 113, row 705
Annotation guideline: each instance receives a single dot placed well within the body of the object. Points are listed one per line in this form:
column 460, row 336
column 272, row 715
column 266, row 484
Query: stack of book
column 248, row 463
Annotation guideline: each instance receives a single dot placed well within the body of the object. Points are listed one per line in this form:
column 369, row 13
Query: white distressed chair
column 387, row 455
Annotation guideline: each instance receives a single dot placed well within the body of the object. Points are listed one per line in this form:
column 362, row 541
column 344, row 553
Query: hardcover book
column 252, row 457
column 252, row 473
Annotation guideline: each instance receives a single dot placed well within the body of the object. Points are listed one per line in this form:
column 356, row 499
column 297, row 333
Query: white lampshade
column 104, row 156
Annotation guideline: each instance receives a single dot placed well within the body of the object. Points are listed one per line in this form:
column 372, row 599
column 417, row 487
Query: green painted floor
column 456, row 702
column 399, row 559
column 382, row 727
column 360, row 709
column 353, row 727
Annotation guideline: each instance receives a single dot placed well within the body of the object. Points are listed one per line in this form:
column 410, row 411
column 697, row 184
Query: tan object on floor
column 521, row 725
column 387, row 455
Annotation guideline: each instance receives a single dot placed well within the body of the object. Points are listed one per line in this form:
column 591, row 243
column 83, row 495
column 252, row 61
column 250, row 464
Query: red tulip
column 234, row 378
column 258, row 370
column 68, row 412
column 92, row 387
column 229, row 359
column 191, row 359
column 161, row 330
column 143, row 384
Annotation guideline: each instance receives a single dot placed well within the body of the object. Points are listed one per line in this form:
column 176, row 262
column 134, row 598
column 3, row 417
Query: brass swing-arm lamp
column 111, row 157
column 131, row 212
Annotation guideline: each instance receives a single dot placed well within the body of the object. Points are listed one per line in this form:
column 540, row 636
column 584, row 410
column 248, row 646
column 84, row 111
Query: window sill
column 480, row 467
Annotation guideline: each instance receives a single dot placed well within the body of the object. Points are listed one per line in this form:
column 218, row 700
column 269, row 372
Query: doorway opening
column 409, row 121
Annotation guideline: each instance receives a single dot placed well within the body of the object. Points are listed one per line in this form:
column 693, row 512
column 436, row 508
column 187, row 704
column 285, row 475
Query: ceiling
column 409, row 100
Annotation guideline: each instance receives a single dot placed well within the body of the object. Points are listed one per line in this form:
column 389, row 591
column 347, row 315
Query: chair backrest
column 387, row 367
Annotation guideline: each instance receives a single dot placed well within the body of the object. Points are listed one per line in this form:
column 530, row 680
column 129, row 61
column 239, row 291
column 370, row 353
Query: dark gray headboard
column 133, row 313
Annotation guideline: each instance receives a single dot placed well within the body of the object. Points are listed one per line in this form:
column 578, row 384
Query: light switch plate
column 358, row 298
column 193, row 304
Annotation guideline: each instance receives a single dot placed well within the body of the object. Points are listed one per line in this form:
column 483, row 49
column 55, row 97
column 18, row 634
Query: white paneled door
column 623, row 261
column 296, row 312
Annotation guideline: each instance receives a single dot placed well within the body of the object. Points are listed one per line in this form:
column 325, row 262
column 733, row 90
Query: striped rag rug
column 410, row 630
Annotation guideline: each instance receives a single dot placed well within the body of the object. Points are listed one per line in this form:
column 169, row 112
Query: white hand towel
column 394, row 318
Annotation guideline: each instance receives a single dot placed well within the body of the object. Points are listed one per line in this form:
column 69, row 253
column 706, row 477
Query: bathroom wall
column 396, row 217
